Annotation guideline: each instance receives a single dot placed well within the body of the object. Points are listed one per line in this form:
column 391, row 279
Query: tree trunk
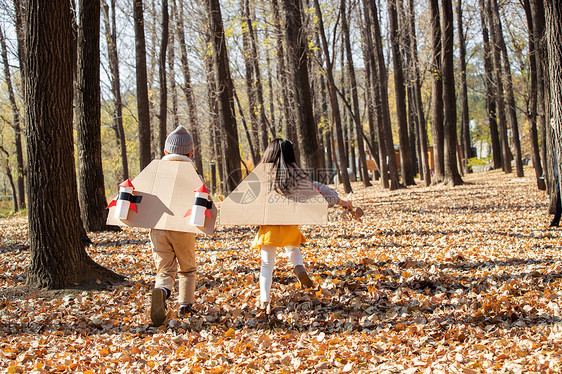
column 162, row 79
column 400, row 93
column 188, row 90
column 373, row 73
column 515, row 141
column 332, row 94
column 88, row 116
column 16, row 125
column 8, row 172
column 422, row 129
column 172, row 72
column 380, row 65
column 225, row 95
column 142, row 86
column 437, row 119
column 452, row 176
column 465, row 128
column 111, row 38
column 264, row 124
column 251, row 91
column 282, row 76
column 532, row 104
column 502, row 122
column 299, row 83
column 554, row 45
column 58, row 258
column 214, row 123
column 490, row 92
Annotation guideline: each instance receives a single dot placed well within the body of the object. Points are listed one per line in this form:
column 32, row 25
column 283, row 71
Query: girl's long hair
column 286, row 174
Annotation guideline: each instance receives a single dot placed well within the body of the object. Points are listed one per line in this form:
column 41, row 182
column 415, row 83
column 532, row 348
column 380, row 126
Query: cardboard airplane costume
column 253, row 203
column 164, row 195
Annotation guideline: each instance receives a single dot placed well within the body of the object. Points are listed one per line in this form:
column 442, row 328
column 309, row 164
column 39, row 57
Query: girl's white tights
column 268, row 264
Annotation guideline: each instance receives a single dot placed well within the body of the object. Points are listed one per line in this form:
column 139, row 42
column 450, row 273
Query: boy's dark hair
column 286, row 173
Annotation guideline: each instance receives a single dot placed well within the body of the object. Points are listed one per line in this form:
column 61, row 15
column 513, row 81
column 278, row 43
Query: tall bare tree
column 500, row 103
column 354, row 97
column 465, row 129
column 225, row 95
column 88, row 117
column 400, row 94
column 490, row 89
column 57, row 254
column 511, row 109
column 332, row 94
column 113, row 56
column 418, row 104
column 142, row 85
column 162, row 79
column 16, row 124
column 437, row 119
column 380, row 65
column 187, row 87
column 554, row 44
column 452, row 175
column 299, row 83
column 532, row 102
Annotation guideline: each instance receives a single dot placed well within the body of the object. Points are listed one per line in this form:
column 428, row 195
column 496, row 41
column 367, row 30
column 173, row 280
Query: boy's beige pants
column 174, row 253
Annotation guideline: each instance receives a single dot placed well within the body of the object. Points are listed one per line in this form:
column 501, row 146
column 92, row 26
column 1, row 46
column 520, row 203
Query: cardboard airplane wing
column 164, row 195
column 252, row 203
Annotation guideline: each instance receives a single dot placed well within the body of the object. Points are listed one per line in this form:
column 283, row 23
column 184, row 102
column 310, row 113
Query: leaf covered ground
column 434, row 280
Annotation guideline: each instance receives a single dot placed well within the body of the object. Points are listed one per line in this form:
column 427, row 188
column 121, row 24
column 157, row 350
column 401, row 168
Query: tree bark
column 355, row 99
column 225, row 95
column 537, row 14
column 250, row 90
column 299, row 83
column 188, row 90
column 380, row 65
column 400, row 94
column 142, row 86
column 511, row 109
column 162, row 79
column 172, row 71
column 373, row 73
column 16, row 125
column 532, row 103
column 452, row 176
column 465, row 128
column 500, row 105
column 264, row 123
column 490, row 92
column 8, row 172
column 553, row 22
column 88, row 116
column 418, row 108
column 437, row 119
column 282, row 77
column 58, row 258
column 111, row 38
column 332, row 94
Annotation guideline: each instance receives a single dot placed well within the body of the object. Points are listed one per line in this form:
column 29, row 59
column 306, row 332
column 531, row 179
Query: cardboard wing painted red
column 168, row 193
column 252, row 203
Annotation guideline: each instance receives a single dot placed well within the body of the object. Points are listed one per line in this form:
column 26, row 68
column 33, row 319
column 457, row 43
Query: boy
column 174, row 251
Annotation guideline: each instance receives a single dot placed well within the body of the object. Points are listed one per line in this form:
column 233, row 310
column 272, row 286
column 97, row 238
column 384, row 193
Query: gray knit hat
column 179, row 142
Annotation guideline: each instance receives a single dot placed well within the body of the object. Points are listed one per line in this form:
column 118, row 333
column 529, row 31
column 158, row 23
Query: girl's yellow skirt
column 278, row 236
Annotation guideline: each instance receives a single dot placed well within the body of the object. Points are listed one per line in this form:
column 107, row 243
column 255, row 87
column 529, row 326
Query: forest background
column 177, row 43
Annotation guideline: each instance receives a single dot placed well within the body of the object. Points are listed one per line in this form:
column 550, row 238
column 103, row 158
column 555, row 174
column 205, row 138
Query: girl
column 286, row 177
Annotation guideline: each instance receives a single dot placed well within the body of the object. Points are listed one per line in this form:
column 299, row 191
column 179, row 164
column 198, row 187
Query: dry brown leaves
column 434, row 280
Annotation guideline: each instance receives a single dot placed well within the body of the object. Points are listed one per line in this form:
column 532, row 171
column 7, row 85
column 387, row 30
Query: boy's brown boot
column 158, row 306
column 303, row 277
